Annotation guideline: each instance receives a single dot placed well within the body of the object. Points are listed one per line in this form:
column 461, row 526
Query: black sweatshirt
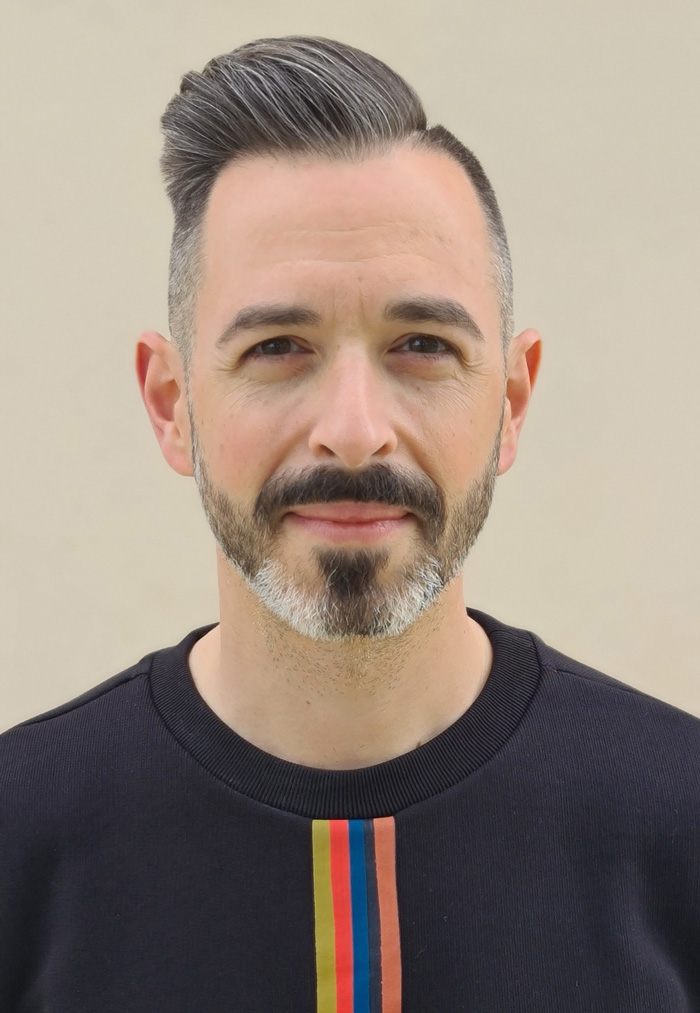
column 541, row 854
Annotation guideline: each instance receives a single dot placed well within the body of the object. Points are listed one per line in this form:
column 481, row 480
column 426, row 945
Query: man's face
column 347, row 384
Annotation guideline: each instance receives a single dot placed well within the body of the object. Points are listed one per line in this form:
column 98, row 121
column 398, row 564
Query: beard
column 352, row 592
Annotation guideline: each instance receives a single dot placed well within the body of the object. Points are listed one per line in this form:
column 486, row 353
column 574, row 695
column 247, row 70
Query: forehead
column 408, row 220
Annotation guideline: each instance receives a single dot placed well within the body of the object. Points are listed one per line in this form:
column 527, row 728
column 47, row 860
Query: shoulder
column 70, row 778
column 574, row 680
column 619, row 701
column 58, row 751
column 90, row 703
column 644, row 750
column 79, row 706
column 80, row 749
column 598, row 737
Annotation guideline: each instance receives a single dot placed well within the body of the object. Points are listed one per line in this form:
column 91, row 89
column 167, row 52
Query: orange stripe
column 342, row 913
column 385, row 857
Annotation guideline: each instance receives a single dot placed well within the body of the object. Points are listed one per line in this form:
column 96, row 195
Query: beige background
column 585, row 115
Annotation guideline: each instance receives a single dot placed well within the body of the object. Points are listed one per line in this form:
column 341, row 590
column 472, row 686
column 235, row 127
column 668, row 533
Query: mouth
column 343, row 521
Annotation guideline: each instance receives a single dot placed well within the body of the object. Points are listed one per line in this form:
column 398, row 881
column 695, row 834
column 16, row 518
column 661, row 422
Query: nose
column 352, row 422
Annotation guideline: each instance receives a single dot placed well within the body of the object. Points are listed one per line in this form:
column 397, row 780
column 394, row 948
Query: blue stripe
column 360, row 942
column 373, row 928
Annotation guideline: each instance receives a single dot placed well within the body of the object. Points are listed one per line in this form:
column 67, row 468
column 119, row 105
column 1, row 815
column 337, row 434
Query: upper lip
column 350, row 512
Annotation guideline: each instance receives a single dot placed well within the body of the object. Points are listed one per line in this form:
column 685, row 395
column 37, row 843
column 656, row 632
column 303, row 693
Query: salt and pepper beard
column 348, row 599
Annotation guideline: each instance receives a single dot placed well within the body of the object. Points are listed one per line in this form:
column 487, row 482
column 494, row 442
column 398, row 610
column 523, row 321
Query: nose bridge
column 353, row 419
column 353, row 374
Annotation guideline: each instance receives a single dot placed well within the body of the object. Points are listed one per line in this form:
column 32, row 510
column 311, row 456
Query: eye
column 274, row 347
column 426, row 344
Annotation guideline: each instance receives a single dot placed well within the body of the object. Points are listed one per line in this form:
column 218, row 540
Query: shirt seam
column 68, row 708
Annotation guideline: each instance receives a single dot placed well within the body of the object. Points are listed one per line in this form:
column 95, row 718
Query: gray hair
column 289, row 96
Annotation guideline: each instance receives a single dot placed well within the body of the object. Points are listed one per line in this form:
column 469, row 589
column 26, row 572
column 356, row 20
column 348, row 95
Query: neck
column 338, row 705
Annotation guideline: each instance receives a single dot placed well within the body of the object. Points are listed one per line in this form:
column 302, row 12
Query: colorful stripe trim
column 358, row 955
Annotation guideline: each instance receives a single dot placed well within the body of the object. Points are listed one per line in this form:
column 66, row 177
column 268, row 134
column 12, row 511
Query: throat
column 341, row 705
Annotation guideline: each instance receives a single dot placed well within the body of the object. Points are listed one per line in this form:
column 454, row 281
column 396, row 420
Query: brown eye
column 426, row 344
column 274, row 346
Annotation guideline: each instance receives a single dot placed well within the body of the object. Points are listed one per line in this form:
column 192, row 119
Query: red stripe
column 342, row 913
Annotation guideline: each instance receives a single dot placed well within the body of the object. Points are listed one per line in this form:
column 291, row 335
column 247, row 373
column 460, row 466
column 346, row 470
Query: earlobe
column 524, row 356
column 162, row 383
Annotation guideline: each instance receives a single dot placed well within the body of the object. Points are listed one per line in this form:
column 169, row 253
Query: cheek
column 237, row 458
column 246, row 447
column 457, row 431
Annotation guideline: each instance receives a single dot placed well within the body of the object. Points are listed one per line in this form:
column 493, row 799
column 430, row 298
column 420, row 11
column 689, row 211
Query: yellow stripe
column 323, row 912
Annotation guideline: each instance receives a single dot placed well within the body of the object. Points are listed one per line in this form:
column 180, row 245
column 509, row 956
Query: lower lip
column 343, row 531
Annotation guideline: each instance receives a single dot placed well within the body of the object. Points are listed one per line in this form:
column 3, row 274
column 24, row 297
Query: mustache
column 376, row 484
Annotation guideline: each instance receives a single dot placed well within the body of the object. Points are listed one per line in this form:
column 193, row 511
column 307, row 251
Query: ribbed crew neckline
column 367, row 792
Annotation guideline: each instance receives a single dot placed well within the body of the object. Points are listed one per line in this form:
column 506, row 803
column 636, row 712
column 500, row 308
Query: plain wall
column 585, row 116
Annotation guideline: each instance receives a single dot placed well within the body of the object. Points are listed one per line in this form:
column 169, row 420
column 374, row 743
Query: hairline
column 186, row 246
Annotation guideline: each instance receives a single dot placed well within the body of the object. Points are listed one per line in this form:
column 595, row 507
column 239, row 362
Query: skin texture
column 350, row 392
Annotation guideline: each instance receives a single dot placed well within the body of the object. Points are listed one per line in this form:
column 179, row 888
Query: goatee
column 352, row 594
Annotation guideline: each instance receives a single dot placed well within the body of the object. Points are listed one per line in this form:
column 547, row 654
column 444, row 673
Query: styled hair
column 291, row 96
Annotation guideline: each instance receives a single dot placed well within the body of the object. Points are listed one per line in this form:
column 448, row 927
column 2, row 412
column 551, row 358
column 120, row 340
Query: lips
column 350, row 512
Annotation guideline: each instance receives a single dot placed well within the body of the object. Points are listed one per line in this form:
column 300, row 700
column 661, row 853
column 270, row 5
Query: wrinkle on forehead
column 417, row 229
column 357, row 246
column 392, row 230
column 367, row 259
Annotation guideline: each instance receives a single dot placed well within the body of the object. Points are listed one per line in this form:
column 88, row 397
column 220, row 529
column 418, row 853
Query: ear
column 523, row 364
column 162, row 381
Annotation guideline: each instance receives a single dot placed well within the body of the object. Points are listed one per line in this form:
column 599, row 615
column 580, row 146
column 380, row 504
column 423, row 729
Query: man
column 351, row 794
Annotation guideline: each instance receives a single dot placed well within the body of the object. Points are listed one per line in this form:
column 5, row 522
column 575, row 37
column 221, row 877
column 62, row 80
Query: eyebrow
column 269, row 315
column 418, row 310
column 435, row 310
